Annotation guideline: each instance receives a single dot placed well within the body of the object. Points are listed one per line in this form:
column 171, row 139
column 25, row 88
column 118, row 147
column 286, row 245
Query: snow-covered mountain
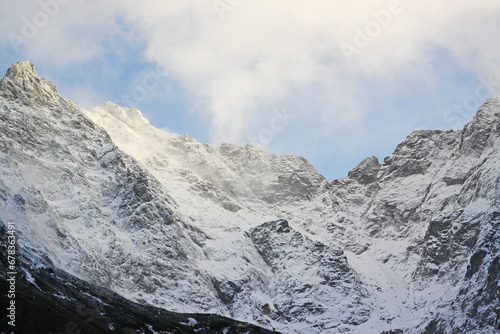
column 409, row 245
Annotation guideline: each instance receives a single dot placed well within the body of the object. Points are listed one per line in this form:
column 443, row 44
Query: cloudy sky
column 333, row 81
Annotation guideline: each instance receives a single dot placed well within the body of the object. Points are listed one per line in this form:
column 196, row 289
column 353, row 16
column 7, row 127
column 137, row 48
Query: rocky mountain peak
column 22, row 68
column 21, row 82
column 487, row 117
column 489, row 110
column 483, row 130
column 366, row 171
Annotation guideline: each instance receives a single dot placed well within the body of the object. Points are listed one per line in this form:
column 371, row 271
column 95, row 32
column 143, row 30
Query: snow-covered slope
column 98, row 214
column 49, row 300
column 410, row 244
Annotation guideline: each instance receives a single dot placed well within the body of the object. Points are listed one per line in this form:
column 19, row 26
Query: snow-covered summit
column 131, row 117
column 22, row 68
column 230, row 176
column 22, row 82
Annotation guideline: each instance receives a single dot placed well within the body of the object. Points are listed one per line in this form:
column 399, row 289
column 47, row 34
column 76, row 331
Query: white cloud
column 281, row 53
column 264, row 53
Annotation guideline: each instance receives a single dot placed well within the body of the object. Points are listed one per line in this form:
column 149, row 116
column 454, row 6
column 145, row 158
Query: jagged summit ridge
column 22, row 82
column 25, row 68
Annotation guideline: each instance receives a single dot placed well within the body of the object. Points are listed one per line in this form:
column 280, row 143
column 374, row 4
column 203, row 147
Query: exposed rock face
column 366, row 171
column 326, row 279
column 476, row 308
column 409, row 245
